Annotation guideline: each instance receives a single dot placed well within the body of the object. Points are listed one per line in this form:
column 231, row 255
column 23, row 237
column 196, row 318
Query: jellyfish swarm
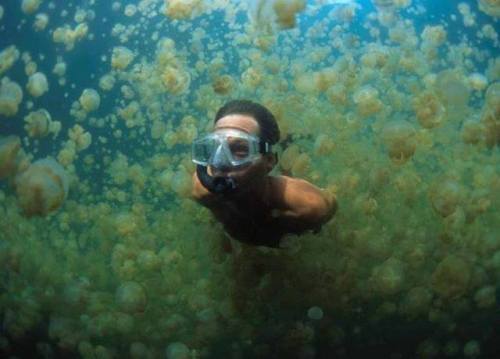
column 9, row 148
column 42, row 188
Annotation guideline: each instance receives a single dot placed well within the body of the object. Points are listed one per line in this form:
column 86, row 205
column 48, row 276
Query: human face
column 256, row 169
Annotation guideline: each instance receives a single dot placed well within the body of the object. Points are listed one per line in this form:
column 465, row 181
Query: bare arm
column 304, row 206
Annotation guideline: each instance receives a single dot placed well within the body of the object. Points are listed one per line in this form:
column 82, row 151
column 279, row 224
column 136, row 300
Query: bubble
column 90, row 100
column 11, row 95
column 42, row 188
column 121, row 57
column 399, row 138
column 9, row 149
column 30, row 6
column 37, row 84
column 8, row 57
column 451, row 277
column 131, row 297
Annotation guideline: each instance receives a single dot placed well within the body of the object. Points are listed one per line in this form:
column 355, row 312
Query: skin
column 265, row 207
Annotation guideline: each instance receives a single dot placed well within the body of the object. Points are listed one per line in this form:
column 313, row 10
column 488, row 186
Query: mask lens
column 239, row 147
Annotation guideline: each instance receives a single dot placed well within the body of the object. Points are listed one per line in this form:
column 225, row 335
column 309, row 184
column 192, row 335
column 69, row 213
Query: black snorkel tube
column 215, row 184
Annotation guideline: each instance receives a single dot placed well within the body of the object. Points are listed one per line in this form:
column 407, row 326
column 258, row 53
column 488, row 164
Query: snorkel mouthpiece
column 215, row 184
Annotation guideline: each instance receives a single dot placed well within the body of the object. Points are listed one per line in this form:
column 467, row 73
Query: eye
column 239, row 148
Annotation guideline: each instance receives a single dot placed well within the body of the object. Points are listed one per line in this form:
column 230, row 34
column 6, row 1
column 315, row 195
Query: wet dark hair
column 269, row 130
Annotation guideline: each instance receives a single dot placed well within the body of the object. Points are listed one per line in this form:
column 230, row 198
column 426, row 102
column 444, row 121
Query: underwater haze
column 393, row 106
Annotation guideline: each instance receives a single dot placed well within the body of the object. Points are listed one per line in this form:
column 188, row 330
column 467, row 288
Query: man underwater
column 232, row 179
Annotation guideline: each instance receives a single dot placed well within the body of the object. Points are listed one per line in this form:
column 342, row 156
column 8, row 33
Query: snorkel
column 216, row 184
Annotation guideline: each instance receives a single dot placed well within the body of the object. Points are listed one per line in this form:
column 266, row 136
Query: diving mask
column 228, row 148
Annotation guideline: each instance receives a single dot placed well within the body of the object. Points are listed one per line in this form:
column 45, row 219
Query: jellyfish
column 37, row 84
column 286, row 10
column 11, row 95
column 9, row 149
column 223, row 85
column 131, row 297
column 38, row 123
column 176, row 81
column 8, row 57
column 121, row 57
column 30, row 6
column 41, row 22
column 42, row 188
column 90, row 100
column 399, row 137
column 490, row 7
column 446, row 196
column 182, row 9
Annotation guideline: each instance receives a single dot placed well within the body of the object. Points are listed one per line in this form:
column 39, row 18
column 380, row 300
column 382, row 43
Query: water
column 393, row 106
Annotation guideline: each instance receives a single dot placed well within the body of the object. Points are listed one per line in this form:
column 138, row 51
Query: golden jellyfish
column 400, row 139
column 367, row 101
column 286, row 11
column 42, row 188
column 182, row 9
column 223, row 85
column 37, row 84
column 478, row 82
column 452, row 88
column 131, row 297
column 121, row 57
column 9, row 149
column 451, row 277
column 11, row 95
column 30, row 6
column 251, row 77
column 41, row 22
column 176, row 81
column 429, row 110
column 490, row 7
column 90, row 100
column 8, row 57
column 38, row 123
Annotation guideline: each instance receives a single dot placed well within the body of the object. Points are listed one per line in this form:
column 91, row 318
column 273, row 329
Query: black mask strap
column 219, row 184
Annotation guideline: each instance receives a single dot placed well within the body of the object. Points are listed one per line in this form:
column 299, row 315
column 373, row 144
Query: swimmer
column 232, row 179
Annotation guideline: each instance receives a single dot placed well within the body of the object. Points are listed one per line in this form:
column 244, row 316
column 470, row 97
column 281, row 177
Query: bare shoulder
column 303, row 198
